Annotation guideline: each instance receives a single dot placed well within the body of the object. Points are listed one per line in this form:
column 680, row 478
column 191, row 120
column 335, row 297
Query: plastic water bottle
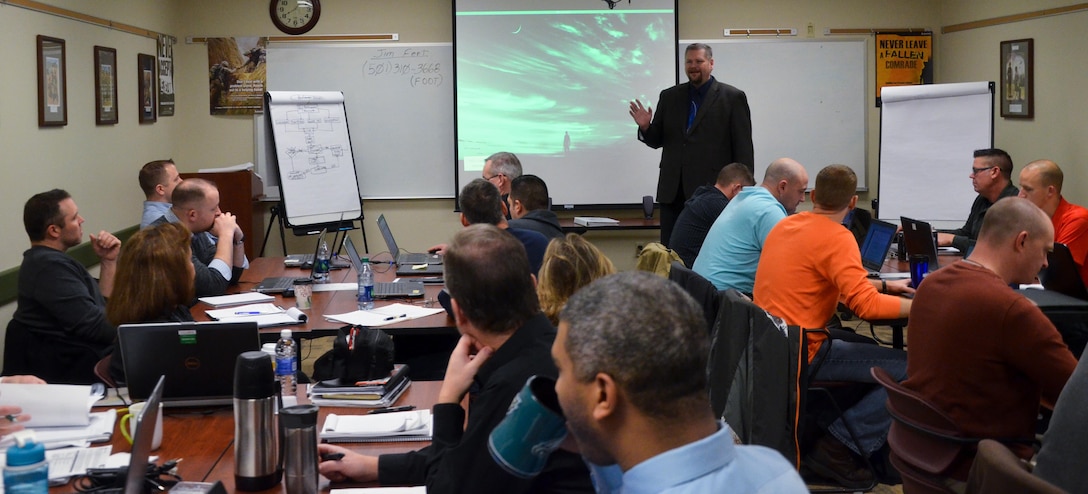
column 286, row 362
column 321, row 263
column 26, row 471
column 366, row 286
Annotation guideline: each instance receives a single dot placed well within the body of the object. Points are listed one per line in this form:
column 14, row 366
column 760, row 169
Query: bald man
column 980, row 352
column 730, row 253
column 1041, row 183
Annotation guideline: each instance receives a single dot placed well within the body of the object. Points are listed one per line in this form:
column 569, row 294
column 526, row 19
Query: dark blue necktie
column 691, row 115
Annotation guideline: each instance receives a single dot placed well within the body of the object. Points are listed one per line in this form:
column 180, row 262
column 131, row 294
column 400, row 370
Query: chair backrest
column 701, row 289
column 922, row 435
column 753, row 375
column 997, row 470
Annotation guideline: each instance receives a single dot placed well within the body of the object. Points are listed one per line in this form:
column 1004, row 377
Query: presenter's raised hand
column 642, row 114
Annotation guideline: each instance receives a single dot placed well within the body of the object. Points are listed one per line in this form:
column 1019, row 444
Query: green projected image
column 553, row 87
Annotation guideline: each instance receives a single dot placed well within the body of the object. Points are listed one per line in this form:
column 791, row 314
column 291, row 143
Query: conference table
column 203, row 438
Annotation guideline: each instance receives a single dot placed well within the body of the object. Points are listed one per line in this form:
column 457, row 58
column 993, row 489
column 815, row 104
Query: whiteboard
column 928, row 135
column 313, row 153
column 399, row 101
column 807, row 98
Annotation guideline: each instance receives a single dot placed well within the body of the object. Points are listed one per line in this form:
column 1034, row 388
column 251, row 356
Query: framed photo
column 52, row 82
column 145, row 65
column 105, row 86
column 1017, row 79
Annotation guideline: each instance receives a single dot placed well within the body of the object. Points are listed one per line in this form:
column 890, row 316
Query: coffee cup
column 132, row 417
column 304, row 291
column 533, row 428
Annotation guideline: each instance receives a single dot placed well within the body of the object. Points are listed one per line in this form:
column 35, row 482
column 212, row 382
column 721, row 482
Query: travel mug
column 533, row 428
column 919, row 266
column 299, row 448
column 257, row 463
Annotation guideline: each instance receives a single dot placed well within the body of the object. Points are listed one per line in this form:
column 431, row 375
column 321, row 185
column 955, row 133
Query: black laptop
column 875, row 247
column 197, row 359
column 280, row 284
column 918, row 236
column 396, row 289
column 409, row 263
column 1062, row 274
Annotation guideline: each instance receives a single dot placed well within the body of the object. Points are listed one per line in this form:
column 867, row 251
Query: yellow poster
column 903, row 59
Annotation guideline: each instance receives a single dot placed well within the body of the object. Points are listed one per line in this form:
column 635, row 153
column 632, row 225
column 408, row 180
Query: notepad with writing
column 414, row 425
column 264, row 315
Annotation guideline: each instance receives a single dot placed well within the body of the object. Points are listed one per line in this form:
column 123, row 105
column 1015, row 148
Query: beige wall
column 98, row 164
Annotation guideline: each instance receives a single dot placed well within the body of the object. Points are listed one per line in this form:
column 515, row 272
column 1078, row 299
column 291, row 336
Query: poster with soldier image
column 166, row 75
column 236, row 75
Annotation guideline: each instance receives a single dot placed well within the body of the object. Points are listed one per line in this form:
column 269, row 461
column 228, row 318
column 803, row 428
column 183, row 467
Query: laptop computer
column 875, row 247
column 918, row 235
column 280, row 284
column 404, row 257
column 398, row 289
column 136, row 474
column 1062, row 274
column 197, row 359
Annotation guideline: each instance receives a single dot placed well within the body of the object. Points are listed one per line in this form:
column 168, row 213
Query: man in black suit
column 701, row 126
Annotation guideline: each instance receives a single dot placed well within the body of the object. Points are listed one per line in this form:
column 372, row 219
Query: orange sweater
column 1071, row 229
column 808, row 264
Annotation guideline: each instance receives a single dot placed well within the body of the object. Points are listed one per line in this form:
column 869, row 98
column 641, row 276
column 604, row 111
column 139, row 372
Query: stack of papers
column 60, row 414
column 414, row 425
column 381, row 316
column 264, row 315
column 361, row 399
column 236, row 299
column 594, row 221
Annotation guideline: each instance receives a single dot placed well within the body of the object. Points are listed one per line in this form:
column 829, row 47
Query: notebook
column 384, row 289
column 918, row 236
column 197, row 359
column 136, row 475
column 1062, row 274
column 404, row 258
column 280, row 284
column 877, row 243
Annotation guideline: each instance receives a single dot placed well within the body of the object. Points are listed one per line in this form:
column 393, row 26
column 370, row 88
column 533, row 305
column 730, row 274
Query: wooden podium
column 238, row 194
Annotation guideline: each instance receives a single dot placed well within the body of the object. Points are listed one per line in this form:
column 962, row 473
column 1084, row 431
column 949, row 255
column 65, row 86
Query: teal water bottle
column 26, row 471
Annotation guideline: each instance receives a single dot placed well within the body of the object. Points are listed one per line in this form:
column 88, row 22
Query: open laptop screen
column 878, row 241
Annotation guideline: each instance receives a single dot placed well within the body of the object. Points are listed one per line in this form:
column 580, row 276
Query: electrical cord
column 159, row 478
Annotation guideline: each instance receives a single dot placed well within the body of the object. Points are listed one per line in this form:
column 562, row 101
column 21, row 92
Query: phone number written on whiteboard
column 407, row 64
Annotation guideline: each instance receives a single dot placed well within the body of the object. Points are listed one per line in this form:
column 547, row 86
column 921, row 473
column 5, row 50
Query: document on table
column 50, row 405
column 67, row 462
column 264, row 315
column 381, row 316
column 237, row 299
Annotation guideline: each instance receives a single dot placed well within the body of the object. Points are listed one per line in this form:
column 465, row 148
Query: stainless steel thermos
column 257, row 453
column 299, row 449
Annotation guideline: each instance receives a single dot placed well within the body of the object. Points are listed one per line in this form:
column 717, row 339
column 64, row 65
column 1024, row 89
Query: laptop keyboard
column 416, row 258
column 277, row 284
column 398, row 289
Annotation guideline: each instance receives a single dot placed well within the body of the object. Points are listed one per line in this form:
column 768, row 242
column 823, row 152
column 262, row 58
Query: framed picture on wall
column 52, row 82
column 1017, row 79
column 145, row 65
column 105, row 85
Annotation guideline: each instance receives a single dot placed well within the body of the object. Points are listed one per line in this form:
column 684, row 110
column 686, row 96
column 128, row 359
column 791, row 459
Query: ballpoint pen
column 247, row 313
column 390, row 318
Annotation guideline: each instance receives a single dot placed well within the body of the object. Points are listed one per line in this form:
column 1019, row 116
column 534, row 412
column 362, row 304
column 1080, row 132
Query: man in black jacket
column 700, row 125
column 505, row 339
column 530, row 209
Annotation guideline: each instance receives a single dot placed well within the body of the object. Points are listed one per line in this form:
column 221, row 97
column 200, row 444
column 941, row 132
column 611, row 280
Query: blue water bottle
column 321, row 264
column 26, row 471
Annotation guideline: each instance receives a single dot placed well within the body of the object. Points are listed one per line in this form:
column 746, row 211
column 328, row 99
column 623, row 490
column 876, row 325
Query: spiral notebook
column 414, row 425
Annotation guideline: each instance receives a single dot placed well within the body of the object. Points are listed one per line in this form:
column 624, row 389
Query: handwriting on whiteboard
column 413, row 65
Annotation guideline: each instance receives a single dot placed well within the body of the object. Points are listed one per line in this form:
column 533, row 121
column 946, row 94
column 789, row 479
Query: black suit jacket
column 721, row 134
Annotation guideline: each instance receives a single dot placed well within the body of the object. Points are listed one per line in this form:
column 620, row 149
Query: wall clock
column 295, row 16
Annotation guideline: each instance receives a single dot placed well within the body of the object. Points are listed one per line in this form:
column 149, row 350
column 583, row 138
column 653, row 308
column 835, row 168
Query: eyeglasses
column 976, row 171
column 493, row 176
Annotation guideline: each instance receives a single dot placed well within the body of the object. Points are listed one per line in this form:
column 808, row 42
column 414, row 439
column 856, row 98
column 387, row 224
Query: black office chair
column 702, row 290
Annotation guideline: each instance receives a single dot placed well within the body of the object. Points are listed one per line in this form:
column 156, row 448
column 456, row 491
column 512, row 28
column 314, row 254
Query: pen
column 332, row 457
column 390, row 318
column 404, row 408
column 247, row 313
column 12, row 417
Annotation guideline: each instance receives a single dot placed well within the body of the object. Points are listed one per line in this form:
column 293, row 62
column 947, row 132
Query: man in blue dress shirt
column 632, row 352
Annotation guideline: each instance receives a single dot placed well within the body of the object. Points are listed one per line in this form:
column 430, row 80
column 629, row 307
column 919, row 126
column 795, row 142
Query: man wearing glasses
column 501, row 169
column 991, row 176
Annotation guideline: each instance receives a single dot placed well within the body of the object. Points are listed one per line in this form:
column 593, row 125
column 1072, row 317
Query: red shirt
column 1071, row 229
